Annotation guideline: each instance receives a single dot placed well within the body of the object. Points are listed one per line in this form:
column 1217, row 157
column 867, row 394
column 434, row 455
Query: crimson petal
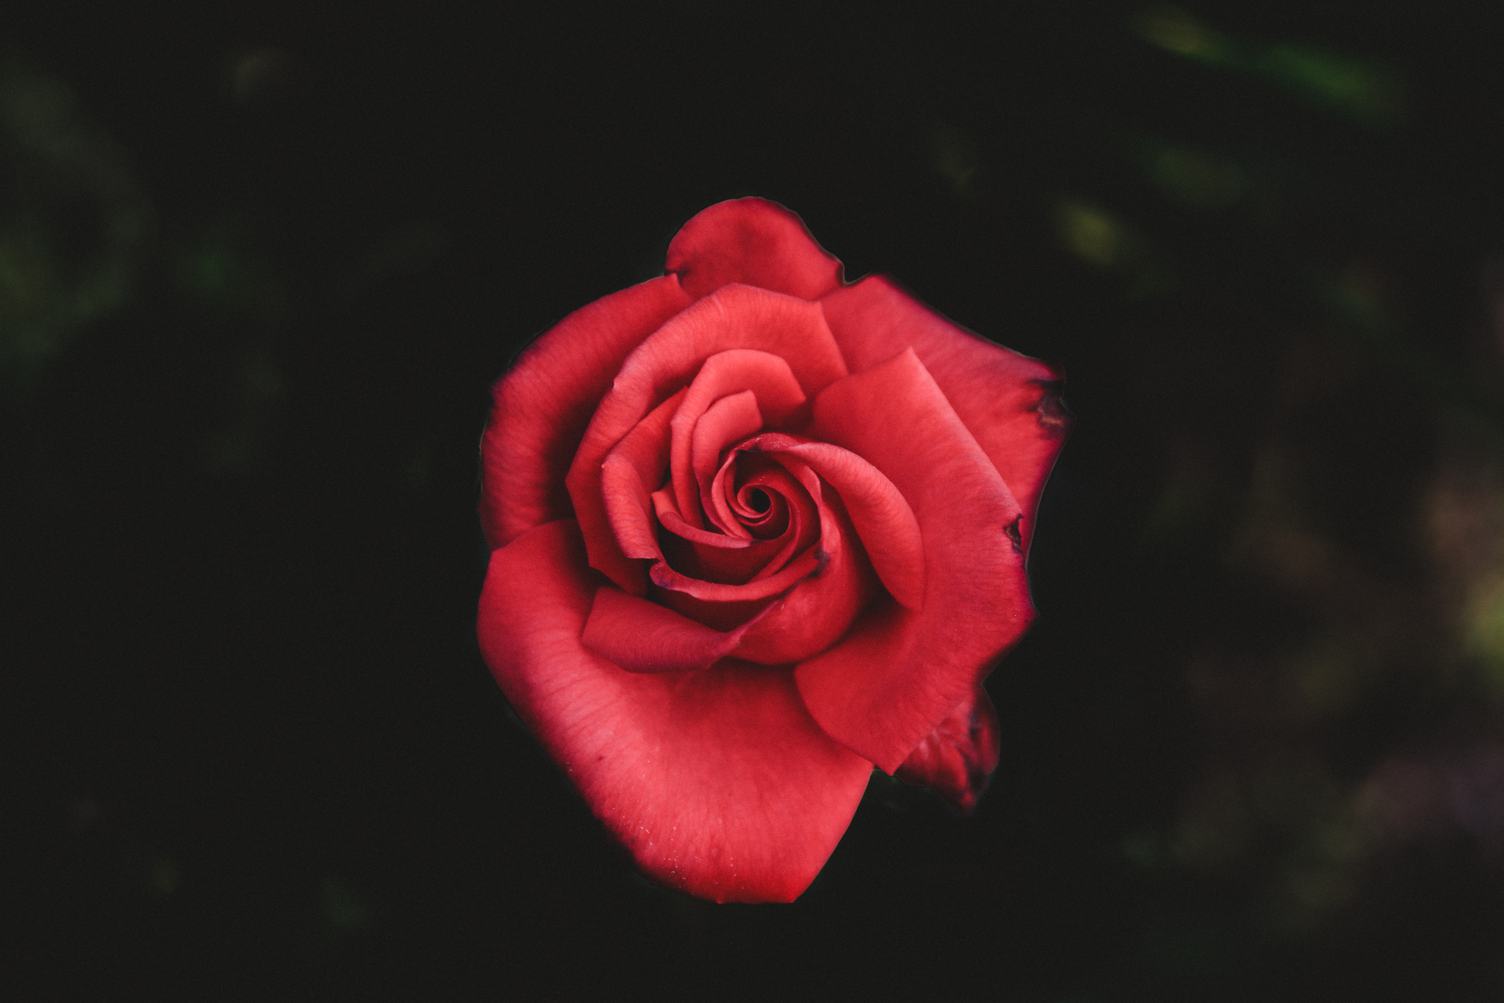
column 642, row 636
column 813, row 616
column 727, row 421
column 1007, row 400
column 702, row 553
column 732, row 317
column 958, row 757
column 669, row 518
column 791, row 574
column 754, row 242
column 898, row 673
column 718, row 782
column 541, row 406
column 766, row 376
column 632, row 469
column 883, row 519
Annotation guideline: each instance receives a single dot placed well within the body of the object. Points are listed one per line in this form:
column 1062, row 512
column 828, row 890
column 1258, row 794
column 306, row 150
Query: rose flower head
column 755, row 531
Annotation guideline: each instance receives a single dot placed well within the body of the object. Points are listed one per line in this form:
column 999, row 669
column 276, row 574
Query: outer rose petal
column 899, row 672
column 958, row 757
column 718, row 781
column 542, row 405
column 642, row 636
column 754, row 242
column 1007, row 400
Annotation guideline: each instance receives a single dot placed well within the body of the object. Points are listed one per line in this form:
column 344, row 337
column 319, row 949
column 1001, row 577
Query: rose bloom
column 755, row 531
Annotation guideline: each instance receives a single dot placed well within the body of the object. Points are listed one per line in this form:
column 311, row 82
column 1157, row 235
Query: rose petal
column 958, row 757
column 717, row 614
column 883, row 519
column 669, row 518
column 792, row 522
column 815, row 614
column 634, row 467
column 702, row 553
column 762, row 569
column 642, row 636
column 726, row 422
column 731, row 498
column 792, row 512
column 754, row 242
column 541, row 406
column 732, row 317
column 801, row 567
column 1008, row 401
column 717, row 781
column 721, row 496
column 770, row 380
column 761, row 510
column 899, row 672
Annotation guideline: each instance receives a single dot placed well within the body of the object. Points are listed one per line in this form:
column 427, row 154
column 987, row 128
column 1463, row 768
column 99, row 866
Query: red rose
column 755, row 531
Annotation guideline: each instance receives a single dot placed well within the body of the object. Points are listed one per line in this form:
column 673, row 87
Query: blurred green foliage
column 1354, row 88
column 75, row 227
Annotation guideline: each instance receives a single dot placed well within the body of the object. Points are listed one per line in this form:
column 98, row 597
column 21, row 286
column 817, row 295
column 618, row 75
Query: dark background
column 259, row 265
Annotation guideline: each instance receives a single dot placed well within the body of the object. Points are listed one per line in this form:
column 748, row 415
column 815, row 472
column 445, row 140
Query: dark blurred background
column 260, row 264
